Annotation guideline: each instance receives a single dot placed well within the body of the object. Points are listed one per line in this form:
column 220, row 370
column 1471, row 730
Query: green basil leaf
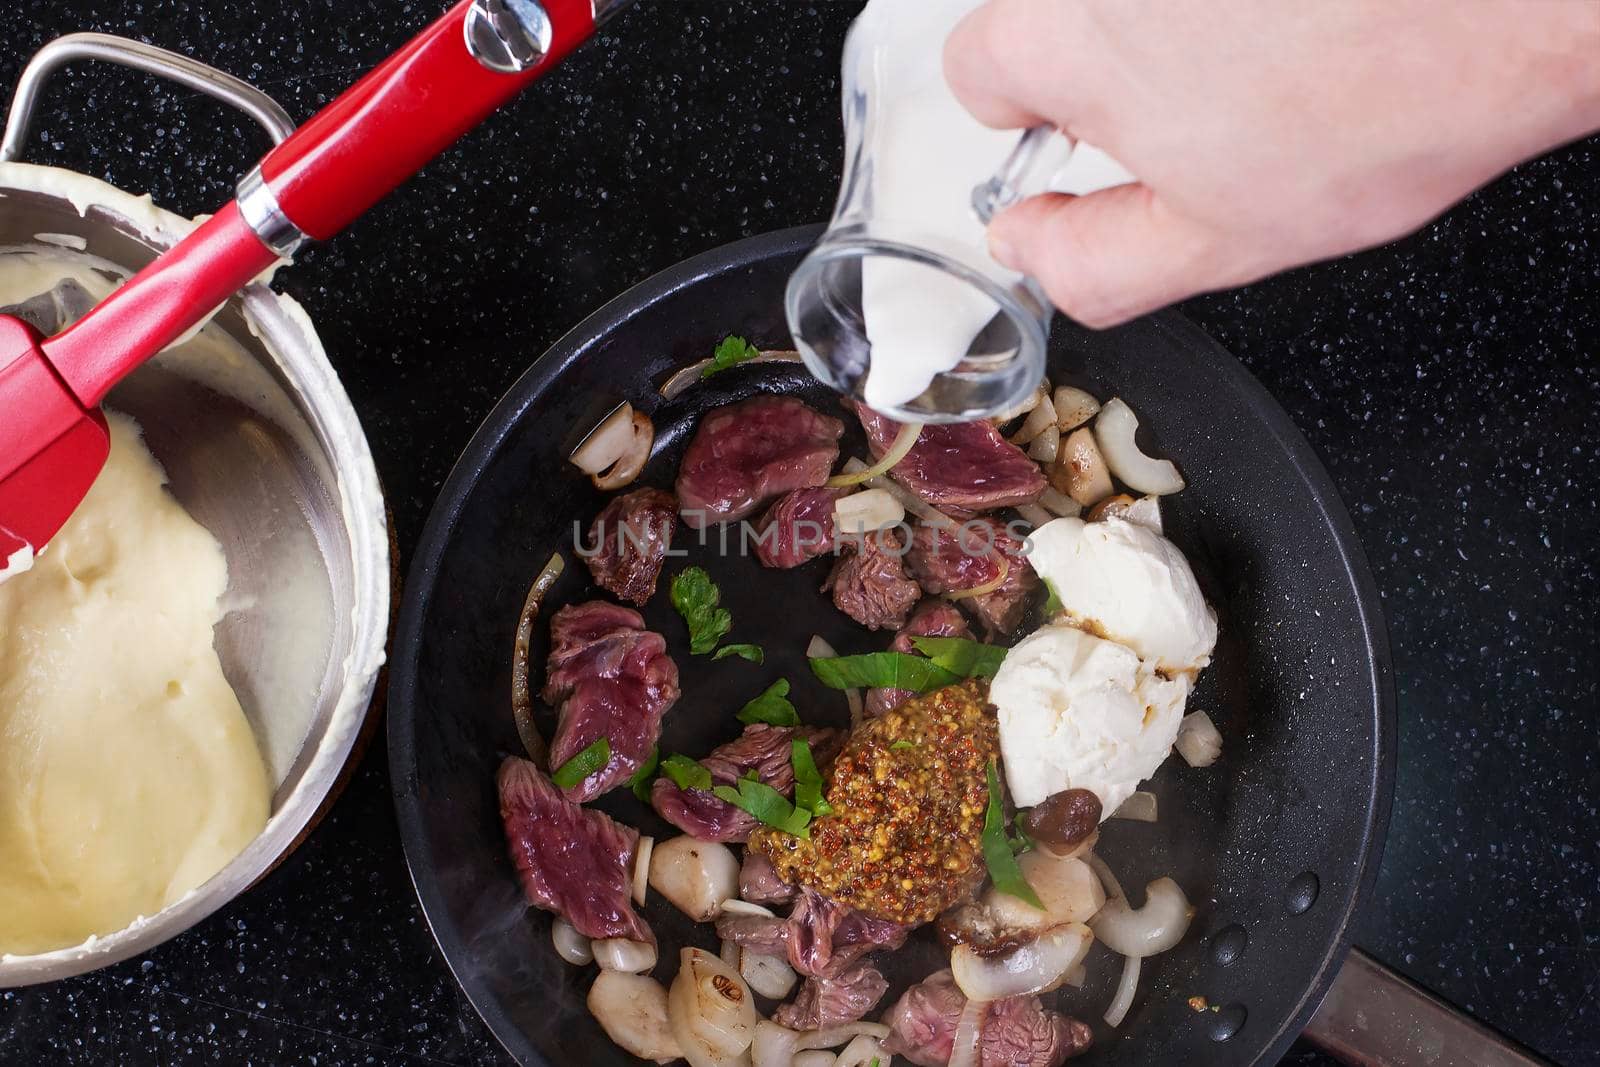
column 645, row 776
column 752, row 653
column 771, row 707
column 585, row 763
column 1052, row 602
column 686, row 773
column 997, row 854
column 696, row 597
column 895, row 670
column 730, row 352
column 767, row 805
column 958, row 655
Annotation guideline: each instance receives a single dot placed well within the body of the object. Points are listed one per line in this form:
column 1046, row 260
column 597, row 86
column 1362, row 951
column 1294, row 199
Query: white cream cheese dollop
column 1078, row 712
column 1094, row 701
column 128, row 772
column 1131, row 585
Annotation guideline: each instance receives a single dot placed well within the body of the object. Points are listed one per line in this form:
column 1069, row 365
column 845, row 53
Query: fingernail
column 1003, row 253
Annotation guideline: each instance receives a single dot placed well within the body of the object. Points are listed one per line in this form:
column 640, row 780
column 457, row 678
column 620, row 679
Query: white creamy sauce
column 924, row 155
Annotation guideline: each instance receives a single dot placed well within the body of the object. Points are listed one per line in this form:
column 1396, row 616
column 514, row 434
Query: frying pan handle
column 1373, row 1017
column 413, row 106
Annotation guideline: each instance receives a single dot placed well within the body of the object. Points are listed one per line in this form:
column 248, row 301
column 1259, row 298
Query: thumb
column 1108, row 256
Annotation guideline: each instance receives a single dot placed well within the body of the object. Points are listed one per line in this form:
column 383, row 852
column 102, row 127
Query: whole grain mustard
column 908, row 795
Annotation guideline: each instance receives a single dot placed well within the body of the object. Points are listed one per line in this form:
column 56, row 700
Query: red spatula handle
column 406, row 111
column 372, row 137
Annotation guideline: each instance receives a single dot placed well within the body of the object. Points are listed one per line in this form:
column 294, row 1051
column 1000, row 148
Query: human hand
column 1265, row 134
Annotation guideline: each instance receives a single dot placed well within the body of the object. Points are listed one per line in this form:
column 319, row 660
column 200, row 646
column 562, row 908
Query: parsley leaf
column 1052, row 602
column 771, row 707
column 752, row 653
column 901, row 745
column 696, row 597
column 807, row 779
column 730, row 352
column 958, row 655
column 997, row 854
column 585, row 763
column 686, row 773
column 896, row 670
column 646, row 774
column 769, row 806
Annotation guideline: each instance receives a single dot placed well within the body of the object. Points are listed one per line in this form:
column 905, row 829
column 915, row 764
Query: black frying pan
column 1276, row 843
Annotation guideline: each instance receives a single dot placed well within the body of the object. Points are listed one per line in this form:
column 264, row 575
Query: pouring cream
column 924, row 154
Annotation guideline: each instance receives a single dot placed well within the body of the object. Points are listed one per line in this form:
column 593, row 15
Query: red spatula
column 379, row 132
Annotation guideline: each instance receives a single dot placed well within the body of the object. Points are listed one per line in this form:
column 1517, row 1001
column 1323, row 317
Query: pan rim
column 491, row 434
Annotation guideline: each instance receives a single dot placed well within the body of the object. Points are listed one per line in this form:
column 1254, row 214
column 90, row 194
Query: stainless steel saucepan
column 265, row 451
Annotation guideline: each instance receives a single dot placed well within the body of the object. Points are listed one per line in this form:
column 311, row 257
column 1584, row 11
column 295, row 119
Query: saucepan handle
column 1373, row 1017
column 110, row 48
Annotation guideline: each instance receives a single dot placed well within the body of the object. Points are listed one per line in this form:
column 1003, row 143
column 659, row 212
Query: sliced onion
column 1046, row 446
column 1034, row 515
column 1080, row 470
column 607, row 442
column 627, row 957
column 1113, row 888
column 730, row 953
column 521, row 702
column 712, row 1013
column 1039, row 420
column 1139, row 807
column 871, row 509
column 633, row 460
column 698, row 877
column 987, row 587
column 1076, row 977
column 641, row 869
column 1146, row 511
column 1037, row 965
column 769, row 976
column 913, row 503
column 1199, row 742
column 1149, row 930
column 1073, row 407
column 1058, row 503
column 969, row 1030
column 570, row 945
column 773, row 1045
column 815, row 1057
column 903, row 442
column 735, row 906
column 1126, row 988
column 1067, row 888
column 863, row 1051
column 820, row 649
column 834, row 1036
column 632, row 1010
column 1034, row 399
column 674, row 386
column 1114, row 430
column 778, row 1046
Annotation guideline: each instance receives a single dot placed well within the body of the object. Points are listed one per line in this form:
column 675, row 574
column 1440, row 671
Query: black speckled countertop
column 1451, row 383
